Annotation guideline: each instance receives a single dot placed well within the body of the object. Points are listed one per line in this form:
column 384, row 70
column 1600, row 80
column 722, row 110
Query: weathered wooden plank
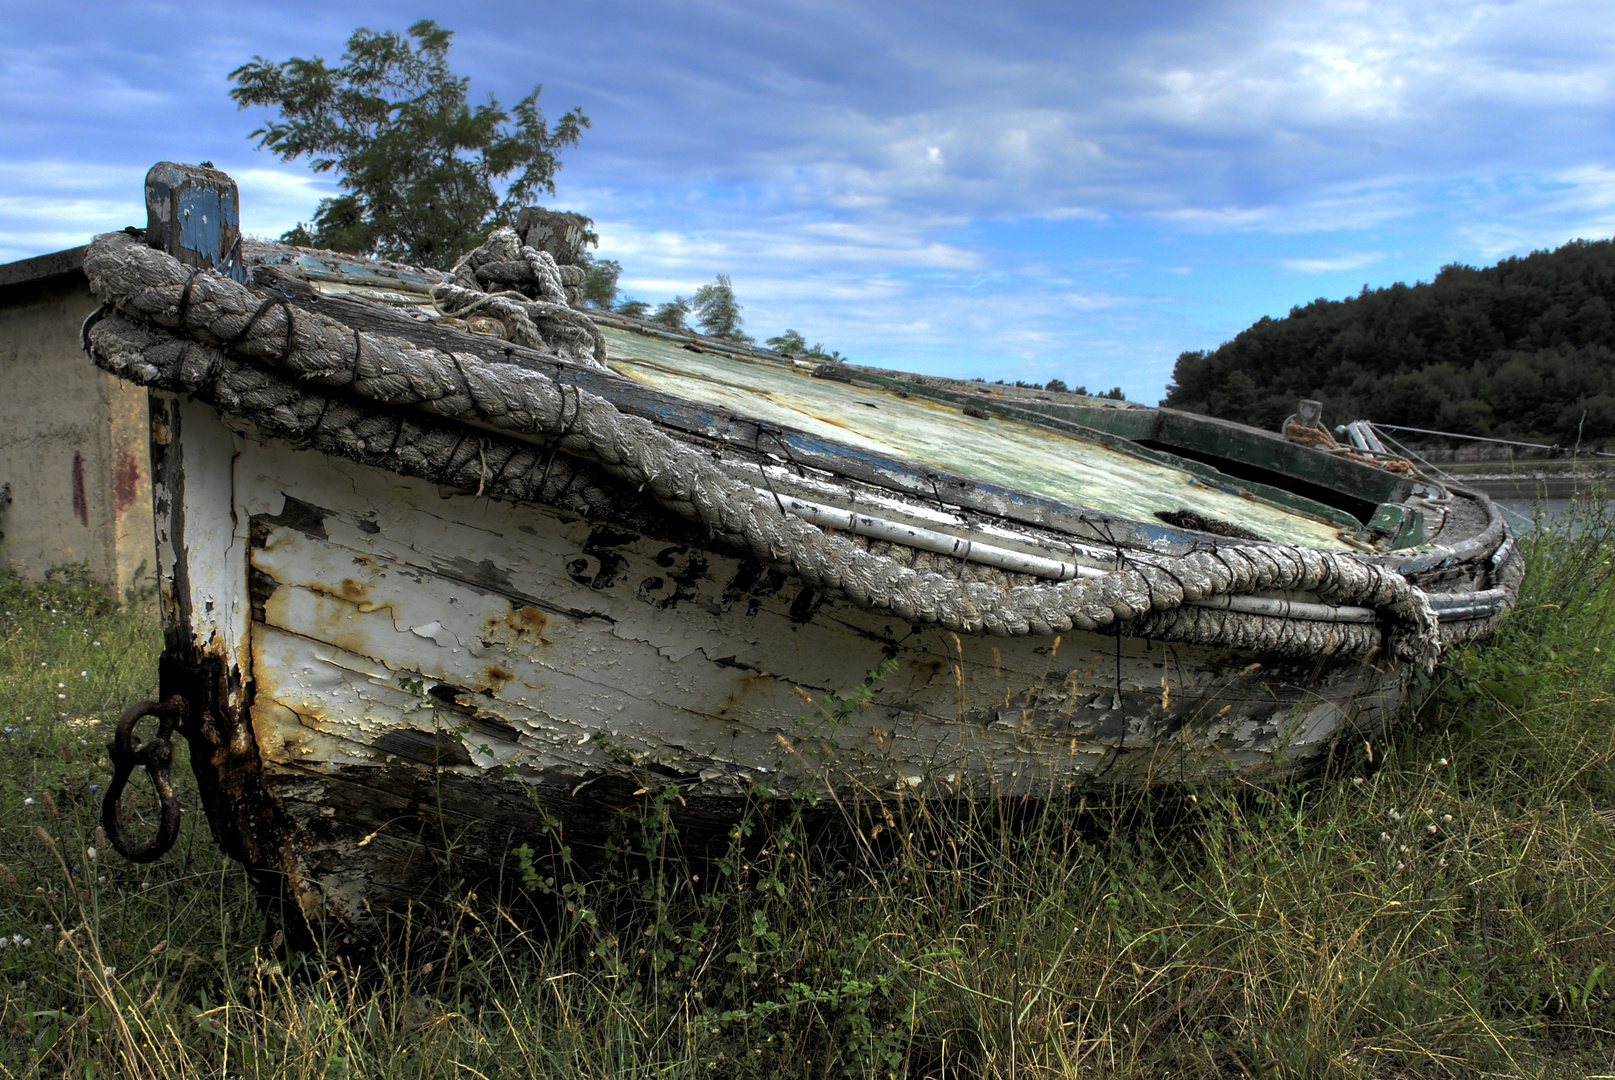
column 193, row 212
column 738, row 434
column 202, row 579
column 649, row 644
column 1139, row 433
column 1014, row 451
column 201, row 553
column 438, row 667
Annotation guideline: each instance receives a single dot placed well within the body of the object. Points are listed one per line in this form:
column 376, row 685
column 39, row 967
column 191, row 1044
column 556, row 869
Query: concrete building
column 75, row 474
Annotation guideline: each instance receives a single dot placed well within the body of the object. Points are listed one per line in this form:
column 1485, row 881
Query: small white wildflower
column 1357, row 781
column 90, row 853
column 84, row 674
column 1443, row 761
column 102, row 880
column 1401, row 866
column 28, row 801
column 1395, row 815
column 1385, row 837
column 144, row 885
column 16, row 939
column 108, row 972
column 95, row 643
column 84, row 742
column 61, row 686
column 1430, row 828
column 1443, row 861
column 1447, row 818
column 26, row 942
column 62, row 696
column 1404, row 849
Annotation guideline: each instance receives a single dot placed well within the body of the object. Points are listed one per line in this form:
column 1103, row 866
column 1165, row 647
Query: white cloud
column 866, row 172
column 274, row 200
column 49, row 206
column 1518, row 214
column 59, row 204
column 1332, row 264
column 1242, row 115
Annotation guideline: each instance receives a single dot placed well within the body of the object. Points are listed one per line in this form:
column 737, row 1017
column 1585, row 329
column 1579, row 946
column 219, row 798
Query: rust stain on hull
column 376, row 689
column 208, row 671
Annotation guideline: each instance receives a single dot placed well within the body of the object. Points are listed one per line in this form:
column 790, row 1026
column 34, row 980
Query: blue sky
column 1078, row 190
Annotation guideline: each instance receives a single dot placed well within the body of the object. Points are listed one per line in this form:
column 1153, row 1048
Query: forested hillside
column 1523, row 349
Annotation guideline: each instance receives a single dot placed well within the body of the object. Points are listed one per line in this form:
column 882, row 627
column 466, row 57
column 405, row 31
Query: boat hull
column 397, row 672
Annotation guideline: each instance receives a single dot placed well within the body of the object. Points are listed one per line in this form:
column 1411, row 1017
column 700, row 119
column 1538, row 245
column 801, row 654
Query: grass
column 1444, row 909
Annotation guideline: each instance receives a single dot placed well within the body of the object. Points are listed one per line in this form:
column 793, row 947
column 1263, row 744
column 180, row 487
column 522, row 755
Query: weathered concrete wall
column 73, row 442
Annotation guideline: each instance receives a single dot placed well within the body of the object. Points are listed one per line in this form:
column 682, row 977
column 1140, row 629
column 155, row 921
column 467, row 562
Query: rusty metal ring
column 126, row 751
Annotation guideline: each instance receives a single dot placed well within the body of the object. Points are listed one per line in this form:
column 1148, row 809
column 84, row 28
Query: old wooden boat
column 444, row 557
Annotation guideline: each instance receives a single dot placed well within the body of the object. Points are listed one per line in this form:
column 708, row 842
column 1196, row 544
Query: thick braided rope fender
column 147, row 285
column 569, row 333
column 512, row 468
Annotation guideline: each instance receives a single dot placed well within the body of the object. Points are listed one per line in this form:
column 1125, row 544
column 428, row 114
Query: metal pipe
column 1286, row 609
column 1370, row 437
column 915, row 536
column 1463, row 614
column 1472, row 438
column 369, row 280
column 924, row 539
column 1442, row 602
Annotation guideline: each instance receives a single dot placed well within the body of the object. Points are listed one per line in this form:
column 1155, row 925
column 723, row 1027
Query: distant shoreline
column 1528, row 481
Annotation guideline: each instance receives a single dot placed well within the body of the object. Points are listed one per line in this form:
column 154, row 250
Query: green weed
column 1444, row 909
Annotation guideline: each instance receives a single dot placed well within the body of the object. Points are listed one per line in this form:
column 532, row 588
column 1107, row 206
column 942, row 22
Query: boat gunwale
column 694, row 420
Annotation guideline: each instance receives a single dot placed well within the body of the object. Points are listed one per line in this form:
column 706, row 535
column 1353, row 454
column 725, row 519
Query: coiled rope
column 204, row 334
column 543, row 322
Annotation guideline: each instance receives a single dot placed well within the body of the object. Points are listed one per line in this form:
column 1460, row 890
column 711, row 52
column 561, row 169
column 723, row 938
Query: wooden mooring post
column 193, row 212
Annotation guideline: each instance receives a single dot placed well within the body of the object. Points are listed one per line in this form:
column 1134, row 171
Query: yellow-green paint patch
column 1008, row 452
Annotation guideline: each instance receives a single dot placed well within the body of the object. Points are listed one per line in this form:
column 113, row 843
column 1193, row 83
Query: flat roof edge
column 56, row 264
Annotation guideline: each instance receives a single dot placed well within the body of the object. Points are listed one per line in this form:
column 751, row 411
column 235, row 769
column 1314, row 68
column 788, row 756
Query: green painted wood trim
column 1269, row 450
column 1046, row 416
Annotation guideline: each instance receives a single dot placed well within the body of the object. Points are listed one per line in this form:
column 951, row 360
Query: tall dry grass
column 1444, row 909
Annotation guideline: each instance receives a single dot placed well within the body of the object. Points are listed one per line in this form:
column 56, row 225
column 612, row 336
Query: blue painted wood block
column 193, row 212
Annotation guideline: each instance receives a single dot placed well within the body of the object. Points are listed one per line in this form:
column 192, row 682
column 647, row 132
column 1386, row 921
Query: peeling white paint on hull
column 414, row 669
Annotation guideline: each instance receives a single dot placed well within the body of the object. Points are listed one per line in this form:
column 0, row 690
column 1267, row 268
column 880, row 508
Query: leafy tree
column 790, row 343
column 1522, row 350
column 672, row 314
column 1239, row 398
column 1057, row 385
column 716, row 310
column 1587, row 419
column 600, row 282
column 417, row 163
column 634, row 309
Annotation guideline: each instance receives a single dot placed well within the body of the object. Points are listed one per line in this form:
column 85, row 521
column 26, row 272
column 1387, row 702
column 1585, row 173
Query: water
column 1523, row 513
